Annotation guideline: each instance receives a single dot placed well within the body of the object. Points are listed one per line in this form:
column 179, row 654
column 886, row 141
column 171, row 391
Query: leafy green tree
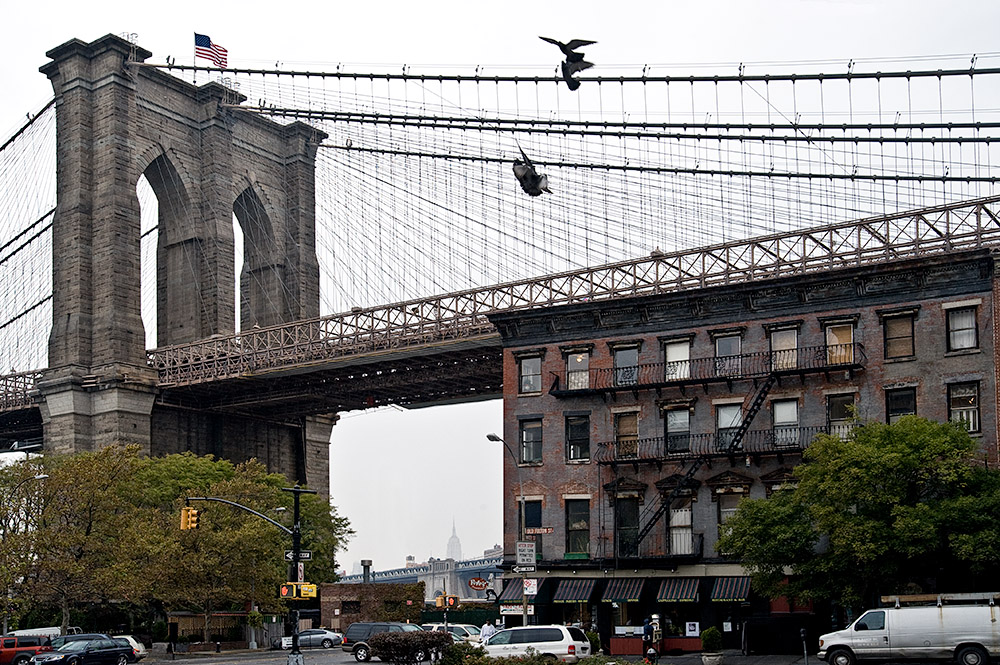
column 20, row 497
column 887, row 509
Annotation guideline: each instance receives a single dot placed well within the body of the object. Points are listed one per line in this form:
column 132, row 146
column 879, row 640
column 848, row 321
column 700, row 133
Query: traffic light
column 185, row 518
column 451, row 601
column 193, row 518
column 288, row 591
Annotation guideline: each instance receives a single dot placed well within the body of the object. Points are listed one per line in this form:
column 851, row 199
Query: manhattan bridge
column 223, row 260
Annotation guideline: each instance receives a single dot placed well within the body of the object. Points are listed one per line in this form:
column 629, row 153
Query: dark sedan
column 86, row 652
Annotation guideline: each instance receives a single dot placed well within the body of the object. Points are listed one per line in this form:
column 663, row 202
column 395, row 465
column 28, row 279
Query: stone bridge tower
column 116, row 120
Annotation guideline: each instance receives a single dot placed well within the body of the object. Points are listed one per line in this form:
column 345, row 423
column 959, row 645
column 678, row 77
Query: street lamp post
column 520, row 526
column 10, row 500
column 295, row 657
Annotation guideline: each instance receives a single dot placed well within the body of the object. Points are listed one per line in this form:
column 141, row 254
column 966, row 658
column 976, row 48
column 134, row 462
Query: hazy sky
column 402, row 478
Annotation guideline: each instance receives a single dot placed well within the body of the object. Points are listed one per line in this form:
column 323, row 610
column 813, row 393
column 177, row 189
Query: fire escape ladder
column 756, row 401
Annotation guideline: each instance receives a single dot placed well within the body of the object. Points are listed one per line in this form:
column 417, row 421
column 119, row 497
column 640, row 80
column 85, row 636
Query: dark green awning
column 731, row 589
column 622, row 590
column 574, row 590
column 678, row 590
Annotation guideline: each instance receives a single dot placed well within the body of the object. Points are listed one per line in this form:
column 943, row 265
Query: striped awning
column 513, row 592
column 622, row 590
column 730, row 589
column 678, row 590
column 574, row 590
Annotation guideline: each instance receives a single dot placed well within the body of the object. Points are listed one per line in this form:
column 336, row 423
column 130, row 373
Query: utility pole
column 295, row 656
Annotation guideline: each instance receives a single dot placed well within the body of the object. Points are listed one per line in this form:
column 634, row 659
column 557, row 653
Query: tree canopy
column 888, row 509
column 103, row 528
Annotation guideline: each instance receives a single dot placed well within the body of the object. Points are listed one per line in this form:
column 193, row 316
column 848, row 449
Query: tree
column 887, row 509
column 20, row 496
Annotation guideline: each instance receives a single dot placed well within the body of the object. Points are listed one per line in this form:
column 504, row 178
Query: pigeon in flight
column 531, row 182
column 569, row 49
column 574, row 60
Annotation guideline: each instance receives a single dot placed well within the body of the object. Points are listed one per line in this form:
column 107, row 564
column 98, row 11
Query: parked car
column 60, row 640
column 105, row 651
column 313, row 637
column 357, row 635
column 565, row 643
column 135, row 643
column 48, row 631
column 18, row 650
column 465, row 631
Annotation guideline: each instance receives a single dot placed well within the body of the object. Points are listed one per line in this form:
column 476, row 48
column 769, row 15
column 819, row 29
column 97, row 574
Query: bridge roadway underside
column 462, row 371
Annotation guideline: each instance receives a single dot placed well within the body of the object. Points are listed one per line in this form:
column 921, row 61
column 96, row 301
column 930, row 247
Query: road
column 334, row 656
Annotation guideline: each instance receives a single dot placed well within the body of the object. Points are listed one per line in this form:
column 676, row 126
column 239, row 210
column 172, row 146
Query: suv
column 464, row 631
column 357, row 635
column 18, row 650
column 565, row 643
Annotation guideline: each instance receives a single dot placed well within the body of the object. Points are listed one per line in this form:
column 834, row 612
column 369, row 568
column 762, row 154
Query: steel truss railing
column 463, row 315
column 15, row 390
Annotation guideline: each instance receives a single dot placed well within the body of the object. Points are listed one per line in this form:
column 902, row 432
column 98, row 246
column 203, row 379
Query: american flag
column 204, row 48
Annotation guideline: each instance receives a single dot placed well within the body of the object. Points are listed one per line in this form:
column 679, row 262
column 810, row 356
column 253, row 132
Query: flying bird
column 570, row 68
column 531, row 181
column 569, row 49
column 574, row 61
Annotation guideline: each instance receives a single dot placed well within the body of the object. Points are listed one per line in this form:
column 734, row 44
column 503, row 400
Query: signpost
column 525, row 559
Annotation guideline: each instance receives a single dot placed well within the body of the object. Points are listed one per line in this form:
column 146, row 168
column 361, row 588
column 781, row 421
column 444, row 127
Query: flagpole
column 194, row 62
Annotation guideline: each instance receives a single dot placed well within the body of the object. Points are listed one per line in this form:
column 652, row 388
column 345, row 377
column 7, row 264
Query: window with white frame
column 784, row 349
column 840, row 414
column 727, row 420
column 577, row 438
column 678, row 360
column 962, row 331
column 578, row 370
column 728, row 504
column 681, row 535
column 530, row 371
column 727, row 355
column 785, row 420
column 840, row 344
column 531, row 441
column 678, row 430
column 963, row 405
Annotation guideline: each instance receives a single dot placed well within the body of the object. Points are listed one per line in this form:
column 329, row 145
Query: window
column 962, row 331
column 840, row 414
column 626, row 434
column 531, row 374
column 727, row 420
column 874, row 620
column 899, row 337
column 963, row 405
column 577, row 526
column 785, row 419
column 578, row 371
column 784, row 349
column 681, row 537
column 727, row 355
column 533, row 520
column 678, row 360
column 531, row 441
column 728, row 503
column 840, row 344
column 626, row 366
column 900, row 402
column 577, row 438
column 678, row 430
column 627, row 525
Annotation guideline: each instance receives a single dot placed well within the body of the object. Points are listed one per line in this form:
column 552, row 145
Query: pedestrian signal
column 451, row 601
column 439, row 601
column 288, row 591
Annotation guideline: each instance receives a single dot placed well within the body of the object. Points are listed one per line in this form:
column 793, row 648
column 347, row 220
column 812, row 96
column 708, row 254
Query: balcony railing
column 715, row 444
column 677, row 548
column 712, row 370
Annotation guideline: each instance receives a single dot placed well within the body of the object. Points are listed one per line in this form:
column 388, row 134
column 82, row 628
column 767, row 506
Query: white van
column 565, row 643
column 50, row 631
column 968, row 633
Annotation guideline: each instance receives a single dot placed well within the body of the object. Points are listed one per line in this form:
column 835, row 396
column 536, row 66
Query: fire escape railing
column 711, row 370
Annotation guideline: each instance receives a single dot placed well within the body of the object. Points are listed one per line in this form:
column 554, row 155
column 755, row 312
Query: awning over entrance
column 731, row 589
column 513, row 592
column 678, row 590
column 622, row 590
column 574, row 590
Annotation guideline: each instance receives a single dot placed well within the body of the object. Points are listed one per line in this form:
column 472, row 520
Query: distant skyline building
column 454, row 550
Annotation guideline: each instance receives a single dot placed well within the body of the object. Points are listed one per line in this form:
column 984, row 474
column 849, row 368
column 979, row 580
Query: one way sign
column 304, row 555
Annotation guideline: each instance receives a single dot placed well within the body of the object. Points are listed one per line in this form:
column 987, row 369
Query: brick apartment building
column 608, row 405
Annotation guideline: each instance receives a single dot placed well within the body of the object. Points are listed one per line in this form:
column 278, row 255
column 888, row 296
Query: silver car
column 313, row 637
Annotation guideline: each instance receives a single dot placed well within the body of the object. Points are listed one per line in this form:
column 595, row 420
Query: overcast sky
column 403, row 478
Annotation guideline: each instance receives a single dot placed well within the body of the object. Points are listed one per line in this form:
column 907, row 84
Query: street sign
column 525, row 553
column 538, row 530
column 523, row 569
column 531, row 587
column 516, row 609
column 304, row 555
